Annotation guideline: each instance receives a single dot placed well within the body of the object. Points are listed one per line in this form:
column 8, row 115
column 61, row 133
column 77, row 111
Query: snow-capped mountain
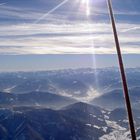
column 82, row 84
column 78, row 121
column 115, row 99
column 35, row 99
column 45, row 105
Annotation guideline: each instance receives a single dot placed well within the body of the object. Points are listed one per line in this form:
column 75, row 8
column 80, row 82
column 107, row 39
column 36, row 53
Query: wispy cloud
column 62, row 33
column 2, row 4
column 72, row 38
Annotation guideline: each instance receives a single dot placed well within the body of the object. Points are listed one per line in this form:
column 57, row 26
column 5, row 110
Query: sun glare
column 86, row 3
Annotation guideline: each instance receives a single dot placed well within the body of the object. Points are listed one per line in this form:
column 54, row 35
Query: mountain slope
column 78, row 121
column 115, row 99
column 35, row 99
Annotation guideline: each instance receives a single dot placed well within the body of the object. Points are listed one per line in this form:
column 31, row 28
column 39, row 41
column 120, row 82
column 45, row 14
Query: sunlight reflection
column 89, row 28
column 86, row 3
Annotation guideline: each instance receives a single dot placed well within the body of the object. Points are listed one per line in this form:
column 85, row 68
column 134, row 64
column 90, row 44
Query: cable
column 123, row 76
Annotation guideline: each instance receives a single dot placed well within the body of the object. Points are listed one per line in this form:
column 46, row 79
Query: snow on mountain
column 81, row 84
column 77, row 121
column 25, row 113
column 35, row 99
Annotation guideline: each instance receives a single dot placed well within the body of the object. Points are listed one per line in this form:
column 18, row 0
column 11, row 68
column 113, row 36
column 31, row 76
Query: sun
column 87, row 4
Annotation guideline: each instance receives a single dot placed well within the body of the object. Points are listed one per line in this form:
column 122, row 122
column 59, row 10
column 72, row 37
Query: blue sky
column 35, row 28
column 63, row 61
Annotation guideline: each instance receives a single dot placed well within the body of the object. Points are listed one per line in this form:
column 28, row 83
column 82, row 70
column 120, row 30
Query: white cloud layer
column 57, row 34
column 64, row 38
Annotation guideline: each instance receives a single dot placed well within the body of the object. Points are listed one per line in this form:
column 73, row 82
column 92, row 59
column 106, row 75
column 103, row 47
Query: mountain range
column 79, row 121
column 72, row 104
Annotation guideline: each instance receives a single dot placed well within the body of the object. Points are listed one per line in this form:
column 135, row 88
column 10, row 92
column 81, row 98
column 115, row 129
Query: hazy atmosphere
column 59, row 71
column 64, row 61
column 32, row 29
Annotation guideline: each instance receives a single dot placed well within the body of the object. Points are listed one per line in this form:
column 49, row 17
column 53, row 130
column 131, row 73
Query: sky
column 63, row 61
column 35, row 31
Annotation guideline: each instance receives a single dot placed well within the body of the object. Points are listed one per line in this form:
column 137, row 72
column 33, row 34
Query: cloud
column 72, row 38
column 59, row 33
column 2, row 4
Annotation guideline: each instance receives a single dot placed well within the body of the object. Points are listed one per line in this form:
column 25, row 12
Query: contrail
column 130, row 29
column 52, row 10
